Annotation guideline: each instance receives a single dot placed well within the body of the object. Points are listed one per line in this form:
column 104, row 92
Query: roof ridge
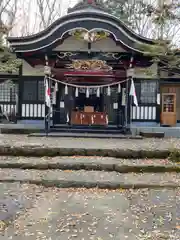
column 86, row 4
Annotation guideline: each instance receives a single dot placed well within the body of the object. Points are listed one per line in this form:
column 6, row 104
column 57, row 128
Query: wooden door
column 168, row 114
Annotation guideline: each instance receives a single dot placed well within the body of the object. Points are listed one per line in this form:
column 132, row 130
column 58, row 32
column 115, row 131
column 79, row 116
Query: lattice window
column 14, row 92
column 148, row 92
column 30, row 90
column 41, row 91
column 8, row 92
column 34, row 90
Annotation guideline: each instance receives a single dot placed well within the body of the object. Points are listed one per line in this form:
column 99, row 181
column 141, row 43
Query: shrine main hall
column 88, row 70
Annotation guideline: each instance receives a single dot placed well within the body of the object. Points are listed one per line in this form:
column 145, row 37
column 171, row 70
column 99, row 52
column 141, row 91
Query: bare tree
column 35, row 15
column 49, row 11
column 11, row 12
column 28, row 26
column 46, row 11
column 4, row 10
column 8, row 11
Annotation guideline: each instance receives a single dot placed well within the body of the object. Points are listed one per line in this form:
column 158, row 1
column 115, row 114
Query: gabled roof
column 84, row 15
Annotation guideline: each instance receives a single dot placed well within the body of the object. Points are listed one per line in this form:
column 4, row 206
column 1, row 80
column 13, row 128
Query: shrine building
column 88, row 69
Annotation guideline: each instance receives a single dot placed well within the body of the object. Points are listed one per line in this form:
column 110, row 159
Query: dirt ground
column 51, row 213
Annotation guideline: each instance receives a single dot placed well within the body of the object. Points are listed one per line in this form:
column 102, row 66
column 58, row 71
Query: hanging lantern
column 109, row 91
column 98, row 92
column 119, row 88
column 66, row 90
column 77, row 92
column 87, row 93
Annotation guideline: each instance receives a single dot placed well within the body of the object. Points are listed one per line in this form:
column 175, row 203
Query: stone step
column 124, row 148
column 90, row 179
column 90, row 163
column 76, row 134
column 38, row 150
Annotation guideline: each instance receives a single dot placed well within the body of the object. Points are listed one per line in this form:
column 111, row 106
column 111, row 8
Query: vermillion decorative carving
column 89, row 65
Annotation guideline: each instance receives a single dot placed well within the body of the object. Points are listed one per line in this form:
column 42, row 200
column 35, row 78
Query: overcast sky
column 66, row 3
column 27, row 15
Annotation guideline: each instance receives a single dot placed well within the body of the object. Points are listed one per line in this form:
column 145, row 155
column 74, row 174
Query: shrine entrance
column 89, row 107
column 88, row 111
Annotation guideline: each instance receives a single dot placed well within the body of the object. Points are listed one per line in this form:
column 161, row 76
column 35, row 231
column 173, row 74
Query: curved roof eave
column 87, row 20
column 79, row 13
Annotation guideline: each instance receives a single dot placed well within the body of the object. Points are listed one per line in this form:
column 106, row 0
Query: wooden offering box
column 89, row 118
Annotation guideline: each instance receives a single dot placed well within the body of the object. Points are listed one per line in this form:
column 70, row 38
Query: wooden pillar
column 47, row 73
column 20, row 93
column 128, row 106
column 67, row 103
column 158, row 94
column 119, row 110
column 158, row 106
column 130, row 76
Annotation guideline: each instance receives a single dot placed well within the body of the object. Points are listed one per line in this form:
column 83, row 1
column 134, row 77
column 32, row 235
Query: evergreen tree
column 134, row 13
column 164, row 51
column 117, row 8
column 8, row 61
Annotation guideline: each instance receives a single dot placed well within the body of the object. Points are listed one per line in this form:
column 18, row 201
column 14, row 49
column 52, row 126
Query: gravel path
column 61, row 214
column 89, row 178
column 22, row 140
